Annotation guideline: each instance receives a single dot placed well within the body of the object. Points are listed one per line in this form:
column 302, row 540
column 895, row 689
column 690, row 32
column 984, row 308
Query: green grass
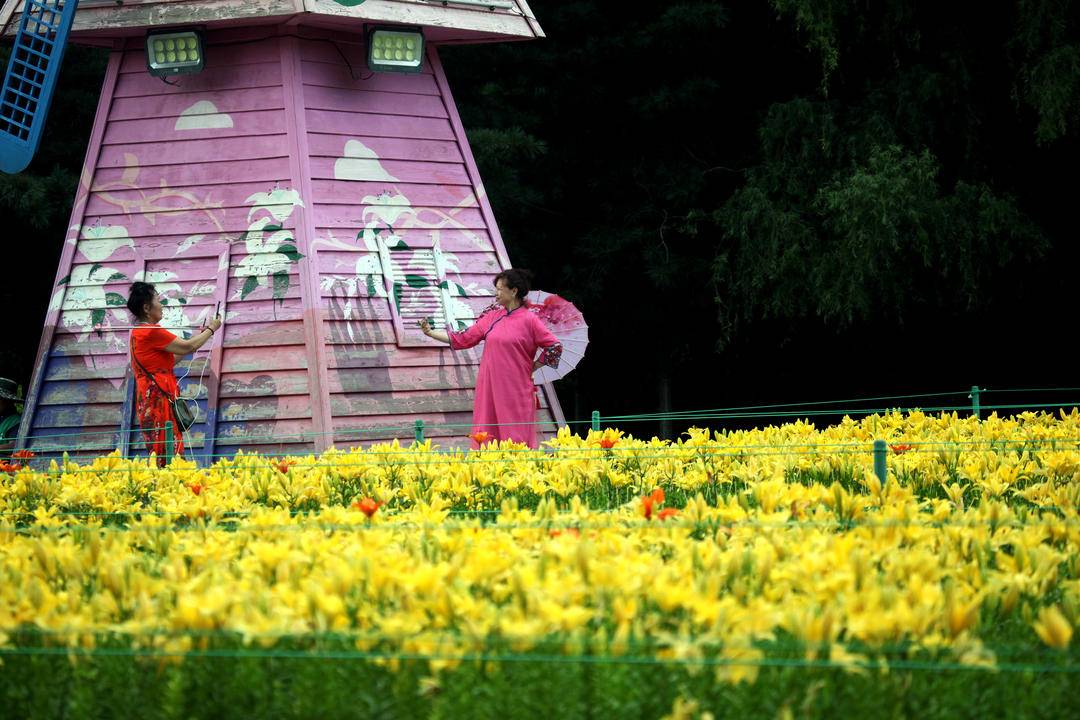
column 332, row 680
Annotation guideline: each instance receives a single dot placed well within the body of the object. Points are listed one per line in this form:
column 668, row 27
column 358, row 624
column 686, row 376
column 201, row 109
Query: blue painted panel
column 32, row 72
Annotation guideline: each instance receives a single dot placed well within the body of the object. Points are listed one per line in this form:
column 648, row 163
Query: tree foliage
column 36, row 203
column 1047, row 50
column 719, row 175
column 842, row 222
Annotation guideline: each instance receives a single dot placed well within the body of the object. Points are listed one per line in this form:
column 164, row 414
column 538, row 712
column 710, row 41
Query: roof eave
column 97, row 22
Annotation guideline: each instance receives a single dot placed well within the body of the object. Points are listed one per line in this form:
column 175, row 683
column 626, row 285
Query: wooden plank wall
column 388, row 165
column 194, row 186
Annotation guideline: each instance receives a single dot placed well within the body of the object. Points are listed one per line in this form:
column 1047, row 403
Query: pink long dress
column 506, row 402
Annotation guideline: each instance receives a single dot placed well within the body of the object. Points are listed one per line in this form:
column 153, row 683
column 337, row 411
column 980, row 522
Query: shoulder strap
column 145, row 371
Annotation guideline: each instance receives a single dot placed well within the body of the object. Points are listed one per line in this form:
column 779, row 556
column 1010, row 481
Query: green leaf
column 249, row 286
column 371, row 286
column 272, row 228
column 397, row 296
column 94, row 268
column 64, row 280
column 98, row 316
column 115, row 299
column 182, row 301
column 164, row 301
column 399, row 245
column 117, row 276
column 417, row 281
column 453, row 287
column 281, row 284
column 290, row 252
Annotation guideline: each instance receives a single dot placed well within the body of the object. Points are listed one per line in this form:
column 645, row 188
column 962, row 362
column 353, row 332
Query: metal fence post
column 419, row 431
column 975, row 409
column 596, row 420
column 170, row 442
column 880, row 468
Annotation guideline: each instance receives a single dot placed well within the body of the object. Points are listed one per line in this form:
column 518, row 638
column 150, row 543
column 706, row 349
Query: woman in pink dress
column 506, row 402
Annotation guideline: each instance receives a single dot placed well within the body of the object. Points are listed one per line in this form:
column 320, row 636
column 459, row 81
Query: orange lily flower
column 655, row 498
column 480, row 437
column 22, row 454
column 666, row 513
column 366, row 506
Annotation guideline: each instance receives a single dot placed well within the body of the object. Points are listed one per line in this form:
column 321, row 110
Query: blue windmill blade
column 32, row 72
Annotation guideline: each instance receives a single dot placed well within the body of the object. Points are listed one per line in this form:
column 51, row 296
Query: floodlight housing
column 395, row 49
column 174, row 52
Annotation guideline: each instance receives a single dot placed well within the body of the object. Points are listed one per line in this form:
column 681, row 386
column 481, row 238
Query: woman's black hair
column 139, row 296
column 516, row 278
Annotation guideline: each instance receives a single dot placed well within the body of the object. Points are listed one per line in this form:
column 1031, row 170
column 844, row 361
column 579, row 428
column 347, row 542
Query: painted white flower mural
column 87, row 307
column 100, row 242
column 175, row 313
column 84, row 304
column 384, row 214
column 271, row 248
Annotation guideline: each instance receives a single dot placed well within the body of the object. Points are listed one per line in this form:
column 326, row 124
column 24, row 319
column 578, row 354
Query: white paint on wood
column 203, row 115
column 359, row 162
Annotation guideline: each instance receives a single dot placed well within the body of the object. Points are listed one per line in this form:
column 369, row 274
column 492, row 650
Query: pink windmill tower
column 302, row 164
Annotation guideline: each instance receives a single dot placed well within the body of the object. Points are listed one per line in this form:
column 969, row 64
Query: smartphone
column 217, row 309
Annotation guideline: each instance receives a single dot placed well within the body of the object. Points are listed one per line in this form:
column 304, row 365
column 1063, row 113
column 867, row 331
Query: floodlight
column 395, row 49
column 174, row 52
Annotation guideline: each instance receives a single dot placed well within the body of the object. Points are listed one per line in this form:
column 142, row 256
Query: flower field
column 765, row 573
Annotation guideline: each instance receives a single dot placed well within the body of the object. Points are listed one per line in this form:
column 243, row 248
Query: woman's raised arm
column 181, row 347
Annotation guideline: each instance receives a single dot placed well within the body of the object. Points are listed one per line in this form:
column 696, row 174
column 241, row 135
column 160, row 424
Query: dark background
column 752, row 203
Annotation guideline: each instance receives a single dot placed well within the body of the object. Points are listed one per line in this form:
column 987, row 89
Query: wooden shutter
column 416, row 284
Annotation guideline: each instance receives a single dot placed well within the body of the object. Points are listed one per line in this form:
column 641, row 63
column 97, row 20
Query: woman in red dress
column 153, row 352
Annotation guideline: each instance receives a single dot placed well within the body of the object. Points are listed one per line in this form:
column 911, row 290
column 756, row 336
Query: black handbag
column 182, row 411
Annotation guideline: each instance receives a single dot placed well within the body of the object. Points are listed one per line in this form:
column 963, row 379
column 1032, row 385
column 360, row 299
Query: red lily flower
column 366, row 506
column 655, row 498
column 283, row 467
column 901, row 449
column 196, row 488
column 22, row 454
column 607, row 443
column 480, row 437
column 666, row 513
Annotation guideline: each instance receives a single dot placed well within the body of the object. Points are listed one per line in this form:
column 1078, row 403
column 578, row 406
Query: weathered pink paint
column 268, row 184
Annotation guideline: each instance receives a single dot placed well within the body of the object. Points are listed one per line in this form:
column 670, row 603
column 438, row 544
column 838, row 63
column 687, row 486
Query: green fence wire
column 744, row 412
